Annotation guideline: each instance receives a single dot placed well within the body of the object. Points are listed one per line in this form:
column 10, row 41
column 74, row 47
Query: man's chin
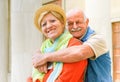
column 76, row 37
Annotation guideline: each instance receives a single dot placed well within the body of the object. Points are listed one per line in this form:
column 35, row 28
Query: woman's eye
column 52, row 21
column 43, row 25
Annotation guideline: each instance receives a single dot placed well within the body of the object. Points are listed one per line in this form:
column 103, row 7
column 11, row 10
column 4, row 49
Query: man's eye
column 69, row 24
column 77, row 22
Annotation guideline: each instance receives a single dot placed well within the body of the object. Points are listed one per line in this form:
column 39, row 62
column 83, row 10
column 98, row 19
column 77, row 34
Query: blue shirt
column 98, row 70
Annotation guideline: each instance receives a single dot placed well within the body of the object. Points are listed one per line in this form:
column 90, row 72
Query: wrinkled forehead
column 75, row 18
column 76, row 14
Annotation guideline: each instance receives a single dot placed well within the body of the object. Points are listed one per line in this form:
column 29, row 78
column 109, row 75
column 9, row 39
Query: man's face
column 76, row 24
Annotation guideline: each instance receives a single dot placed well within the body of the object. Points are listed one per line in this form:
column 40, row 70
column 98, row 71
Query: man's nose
column 74, row 25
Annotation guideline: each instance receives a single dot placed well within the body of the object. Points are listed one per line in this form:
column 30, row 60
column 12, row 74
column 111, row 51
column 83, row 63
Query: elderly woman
column 51, row 20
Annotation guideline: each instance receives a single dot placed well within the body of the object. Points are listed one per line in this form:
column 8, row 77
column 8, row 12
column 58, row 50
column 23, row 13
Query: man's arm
column 68, row 55
column 72, row 54
column 92, row 48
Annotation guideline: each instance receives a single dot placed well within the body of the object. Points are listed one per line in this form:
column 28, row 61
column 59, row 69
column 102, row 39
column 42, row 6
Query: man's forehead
column 75, row 16
column 72, row 19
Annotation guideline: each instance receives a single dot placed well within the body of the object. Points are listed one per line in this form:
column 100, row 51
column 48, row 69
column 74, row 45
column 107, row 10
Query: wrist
column 46, row 57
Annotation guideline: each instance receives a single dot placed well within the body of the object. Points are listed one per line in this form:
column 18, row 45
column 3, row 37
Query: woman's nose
column 49, row 25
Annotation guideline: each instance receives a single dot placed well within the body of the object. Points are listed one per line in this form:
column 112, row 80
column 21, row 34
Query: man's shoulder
column 97, row 36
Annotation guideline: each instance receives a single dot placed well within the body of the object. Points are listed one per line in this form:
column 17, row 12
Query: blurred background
column 19, row 38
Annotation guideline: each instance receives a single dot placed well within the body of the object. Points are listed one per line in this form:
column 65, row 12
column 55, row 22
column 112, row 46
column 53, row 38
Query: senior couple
column 72, row 51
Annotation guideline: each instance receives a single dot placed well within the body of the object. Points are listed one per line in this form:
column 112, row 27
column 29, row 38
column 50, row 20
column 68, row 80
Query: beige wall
column 24, row 38
column 4, row 42
column 70, row 4
column 115, row 10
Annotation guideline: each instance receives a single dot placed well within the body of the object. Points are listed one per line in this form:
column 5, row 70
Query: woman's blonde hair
column 57, row 15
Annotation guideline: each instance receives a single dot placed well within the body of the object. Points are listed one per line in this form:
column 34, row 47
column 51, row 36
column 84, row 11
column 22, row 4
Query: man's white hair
column 76, row 10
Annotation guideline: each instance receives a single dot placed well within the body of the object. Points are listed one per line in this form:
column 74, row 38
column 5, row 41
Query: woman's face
column 51, row 27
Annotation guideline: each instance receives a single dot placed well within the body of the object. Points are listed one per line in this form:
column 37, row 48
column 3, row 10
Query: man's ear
column 87, row 21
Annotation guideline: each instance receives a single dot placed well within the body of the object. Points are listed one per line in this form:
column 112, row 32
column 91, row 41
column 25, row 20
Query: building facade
column 19, row 37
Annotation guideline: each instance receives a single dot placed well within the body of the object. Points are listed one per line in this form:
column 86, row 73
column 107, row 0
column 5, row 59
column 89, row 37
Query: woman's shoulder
column 73, row 41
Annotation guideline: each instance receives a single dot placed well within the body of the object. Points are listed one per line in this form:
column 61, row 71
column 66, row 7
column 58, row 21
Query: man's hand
column 43, row 68
column 38, row 59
